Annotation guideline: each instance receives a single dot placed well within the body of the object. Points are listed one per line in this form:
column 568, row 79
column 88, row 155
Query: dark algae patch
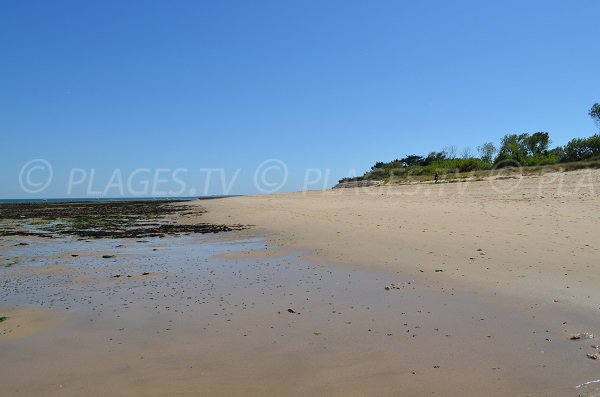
column 118, row 219
column 3, row 318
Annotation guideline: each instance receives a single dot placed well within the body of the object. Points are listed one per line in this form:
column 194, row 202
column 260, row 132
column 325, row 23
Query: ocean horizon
column 108, row 199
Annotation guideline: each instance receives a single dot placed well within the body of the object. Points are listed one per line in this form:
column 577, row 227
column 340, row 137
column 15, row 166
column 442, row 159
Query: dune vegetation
column 515, row 150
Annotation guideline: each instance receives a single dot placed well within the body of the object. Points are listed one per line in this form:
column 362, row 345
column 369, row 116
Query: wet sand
column 292, row 307
column 201, row 324
column 25, row 321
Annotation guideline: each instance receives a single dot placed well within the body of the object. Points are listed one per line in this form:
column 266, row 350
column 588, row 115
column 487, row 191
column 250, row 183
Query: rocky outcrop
column 365, row 183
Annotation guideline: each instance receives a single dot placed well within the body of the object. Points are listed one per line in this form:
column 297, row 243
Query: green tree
column 557, row 154
column 538, row 143
column 583, row 148
column 487, row 151
column 412, row 159
column 513, row 147
column 433, row 157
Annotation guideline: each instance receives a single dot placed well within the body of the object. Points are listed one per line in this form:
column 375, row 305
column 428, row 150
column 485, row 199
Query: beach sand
column 531, row 237
column 419, row 290
column 24, row 321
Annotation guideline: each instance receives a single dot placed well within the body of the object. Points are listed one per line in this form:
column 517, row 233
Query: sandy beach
column 457, row 289
column 534, row 236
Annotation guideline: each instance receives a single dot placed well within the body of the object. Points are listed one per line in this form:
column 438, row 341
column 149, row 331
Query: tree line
column 514, row 150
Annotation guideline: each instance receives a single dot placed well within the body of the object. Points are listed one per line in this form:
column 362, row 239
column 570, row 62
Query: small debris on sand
column 393, row 286
column 582, row 335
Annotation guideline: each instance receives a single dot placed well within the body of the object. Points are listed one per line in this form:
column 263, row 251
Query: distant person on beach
column 436, row 178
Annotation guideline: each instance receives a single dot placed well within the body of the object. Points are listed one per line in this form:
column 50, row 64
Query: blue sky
column 335, row 85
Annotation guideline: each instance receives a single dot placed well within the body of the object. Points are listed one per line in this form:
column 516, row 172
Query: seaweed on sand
column 117, row 219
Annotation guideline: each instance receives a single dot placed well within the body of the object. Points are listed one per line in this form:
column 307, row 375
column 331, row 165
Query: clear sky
column 336, row 85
